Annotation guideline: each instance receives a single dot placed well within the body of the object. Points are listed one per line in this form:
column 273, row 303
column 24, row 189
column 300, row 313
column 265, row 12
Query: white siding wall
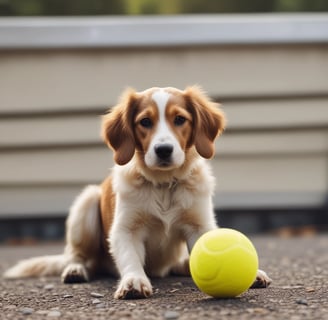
column 274, row 152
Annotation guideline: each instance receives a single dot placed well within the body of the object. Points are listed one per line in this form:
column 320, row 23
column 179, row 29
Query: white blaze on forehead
column 161, row 98
column 163, row 133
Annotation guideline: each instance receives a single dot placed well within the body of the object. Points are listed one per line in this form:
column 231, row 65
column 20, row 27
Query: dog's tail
column 83, row 227
column 38, row 266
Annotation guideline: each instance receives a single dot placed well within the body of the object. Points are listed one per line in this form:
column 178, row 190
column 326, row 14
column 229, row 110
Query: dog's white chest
column 164, row 198
column 169, row 201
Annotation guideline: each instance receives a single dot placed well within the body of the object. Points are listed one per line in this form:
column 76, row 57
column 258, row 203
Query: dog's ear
column 117, row 127
column 209, row 120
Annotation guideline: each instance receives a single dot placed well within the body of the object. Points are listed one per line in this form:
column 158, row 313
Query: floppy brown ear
column 117, row 128
column 209, row 120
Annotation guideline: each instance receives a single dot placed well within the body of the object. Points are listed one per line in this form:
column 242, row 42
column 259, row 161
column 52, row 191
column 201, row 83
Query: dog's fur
column 145, row 217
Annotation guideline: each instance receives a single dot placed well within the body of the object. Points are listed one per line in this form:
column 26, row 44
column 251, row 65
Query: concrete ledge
column 159, row 31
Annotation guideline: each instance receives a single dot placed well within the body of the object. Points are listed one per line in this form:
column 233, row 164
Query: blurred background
column 63, row 63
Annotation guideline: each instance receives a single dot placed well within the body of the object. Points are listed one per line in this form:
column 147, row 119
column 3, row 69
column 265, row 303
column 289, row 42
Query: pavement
column 297, row 265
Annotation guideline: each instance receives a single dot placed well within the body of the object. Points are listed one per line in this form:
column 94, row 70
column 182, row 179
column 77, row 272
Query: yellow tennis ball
column 223, row 263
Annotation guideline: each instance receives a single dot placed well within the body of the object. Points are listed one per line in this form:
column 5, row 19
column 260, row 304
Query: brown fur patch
column 182, row 132
column 117, row 128
column 190, row 218
column 146, row 109
column 107, row 205
column 209, row 120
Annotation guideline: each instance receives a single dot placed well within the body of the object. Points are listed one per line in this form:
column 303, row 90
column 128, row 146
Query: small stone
column 170, row 315
column 27, row 311
column 302, row 301
column 54, row 314
column 66, row 296
column 309, row 289
column 96, row 301
column 292, row 287
column 96, row 295
column 49, row 286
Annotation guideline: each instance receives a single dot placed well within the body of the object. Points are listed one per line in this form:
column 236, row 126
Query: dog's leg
column 193, row 233
column 83, row 236
column 128, row 250
column 203, row 219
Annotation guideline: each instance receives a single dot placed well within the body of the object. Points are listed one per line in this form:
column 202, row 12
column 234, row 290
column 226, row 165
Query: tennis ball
column 223, row 263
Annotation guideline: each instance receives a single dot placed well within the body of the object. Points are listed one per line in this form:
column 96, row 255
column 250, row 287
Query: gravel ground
column 298, row 267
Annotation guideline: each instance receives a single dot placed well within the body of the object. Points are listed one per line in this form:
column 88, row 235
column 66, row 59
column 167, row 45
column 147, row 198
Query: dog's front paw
column 262, row 280
column 133, row 288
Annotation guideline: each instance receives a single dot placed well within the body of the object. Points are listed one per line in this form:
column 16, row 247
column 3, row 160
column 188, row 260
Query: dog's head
column 160, row 126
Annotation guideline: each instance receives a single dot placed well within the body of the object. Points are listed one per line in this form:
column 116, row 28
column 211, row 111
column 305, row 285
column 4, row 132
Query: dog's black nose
column 164, row 151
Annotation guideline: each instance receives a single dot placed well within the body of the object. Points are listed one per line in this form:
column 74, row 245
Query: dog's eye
column 179, row 120
column 146, row 123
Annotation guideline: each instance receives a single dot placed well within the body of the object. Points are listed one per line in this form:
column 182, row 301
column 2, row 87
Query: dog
column 144, row 219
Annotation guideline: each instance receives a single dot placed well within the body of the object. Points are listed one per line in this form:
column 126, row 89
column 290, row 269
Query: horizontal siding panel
column 235, row 172
column 49, row 130
column 34, row 81
column 43, row 201
column 273, row 143
column 241, row 183
column 71, row 165
column 24, row 201
column 277, row 113
column 289, row 173
column 76, row 164
column 84, row 129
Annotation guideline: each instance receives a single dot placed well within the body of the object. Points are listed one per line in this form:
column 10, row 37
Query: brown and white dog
column 145, row 217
